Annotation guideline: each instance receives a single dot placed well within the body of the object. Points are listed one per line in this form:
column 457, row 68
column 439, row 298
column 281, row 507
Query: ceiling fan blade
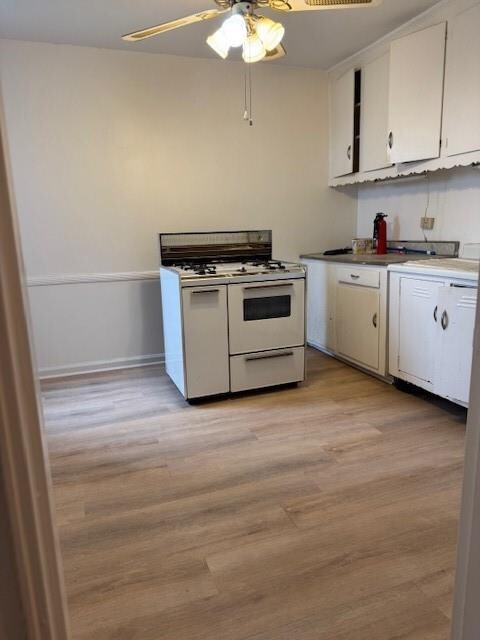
column 276, row 53
column 277, row 5
column 174, row 24
column 315, row 5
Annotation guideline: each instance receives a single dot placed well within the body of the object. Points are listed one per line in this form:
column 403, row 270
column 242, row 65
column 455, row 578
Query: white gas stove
column 234, row 318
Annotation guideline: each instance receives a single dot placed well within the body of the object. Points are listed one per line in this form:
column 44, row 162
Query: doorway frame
column 23, row 453
column 24, row 459
column 466, row 612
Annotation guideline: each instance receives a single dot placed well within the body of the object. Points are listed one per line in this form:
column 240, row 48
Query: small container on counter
column 362, row 246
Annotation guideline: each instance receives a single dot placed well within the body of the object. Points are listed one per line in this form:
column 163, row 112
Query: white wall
column 453, row 199
column 109, row 148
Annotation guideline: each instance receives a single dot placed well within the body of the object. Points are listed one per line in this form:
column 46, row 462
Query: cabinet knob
column 349, row 152
column 374, row 320
column 390, row 140
column 435, row 311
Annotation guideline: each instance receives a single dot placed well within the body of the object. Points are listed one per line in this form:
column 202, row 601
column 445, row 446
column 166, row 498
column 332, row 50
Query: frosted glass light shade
column 270, row 33
column 235, row 30
column 253, row 49
column 219, row 43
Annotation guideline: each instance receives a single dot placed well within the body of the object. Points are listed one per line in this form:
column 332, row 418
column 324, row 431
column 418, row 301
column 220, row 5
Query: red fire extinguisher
column 380, row 233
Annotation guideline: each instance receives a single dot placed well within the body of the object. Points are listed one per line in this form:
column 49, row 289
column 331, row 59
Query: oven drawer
column 268, row 368
column 266, row 315
column 359, row 277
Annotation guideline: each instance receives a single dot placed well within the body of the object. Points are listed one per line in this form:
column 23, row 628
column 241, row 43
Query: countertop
column 375, row 260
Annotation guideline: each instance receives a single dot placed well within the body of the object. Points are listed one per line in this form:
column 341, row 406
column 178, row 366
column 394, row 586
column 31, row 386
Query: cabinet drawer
column 359, row 277
column 267, row 368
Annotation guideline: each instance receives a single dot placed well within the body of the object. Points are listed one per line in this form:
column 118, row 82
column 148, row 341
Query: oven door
column 266, row 315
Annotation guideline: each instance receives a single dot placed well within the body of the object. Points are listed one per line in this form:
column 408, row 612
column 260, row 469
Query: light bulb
column 235, row 30
column 270, row 32
column 219, row 43
column 253, row 49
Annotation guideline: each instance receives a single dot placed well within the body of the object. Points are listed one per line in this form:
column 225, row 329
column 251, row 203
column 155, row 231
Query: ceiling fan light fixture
column 219, row 43
column 270, row 33
column 235, row 30
column 253, row 49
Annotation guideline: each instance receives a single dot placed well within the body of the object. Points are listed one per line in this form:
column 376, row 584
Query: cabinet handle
column 435, row 313
column 354, row 276
column 349, row 152
column 270, row 286
column 464, row 286
column 205, row 291
column 390, row 140
column 444, row 320
column 374, row 320
column 268, row 356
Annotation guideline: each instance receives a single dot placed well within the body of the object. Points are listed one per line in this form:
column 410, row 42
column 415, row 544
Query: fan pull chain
column 248, row 95
column 245, row 105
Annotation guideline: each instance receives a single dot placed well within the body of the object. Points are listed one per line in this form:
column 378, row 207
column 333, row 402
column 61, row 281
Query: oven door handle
column 269, row 286
column 268, row 356
column 201, row 291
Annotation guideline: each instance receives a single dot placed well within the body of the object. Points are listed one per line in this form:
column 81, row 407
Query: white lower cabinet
column 206, row 340
column 357, row 324
column 455, row 329
column 416, row 317
column 431, row 333
column 320, row 304
column 347, row 312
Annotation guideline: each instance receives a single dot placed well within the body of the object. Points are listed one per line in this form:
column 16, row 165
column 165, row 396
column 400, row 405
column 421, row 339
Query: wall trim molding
column 88, row 278
column 96, row 366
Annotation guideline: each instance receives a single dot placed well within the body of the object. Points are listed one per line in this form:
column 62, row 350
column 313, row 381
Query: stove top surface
column 235, row 269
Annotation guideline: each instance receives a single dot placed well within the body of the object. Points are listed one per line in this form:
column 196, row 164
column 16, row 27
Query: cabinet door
column 320, row 304
column 417, row 335
column 462, row 90
column 456, row 323
column 374, row 122
column 341, row 135
column 357, row 320
column 415, row 95
column 206, row 340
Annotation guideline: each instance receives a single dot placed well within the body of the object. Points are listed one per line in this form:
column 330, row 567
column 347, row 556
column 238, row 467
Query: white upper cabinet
column 462, row 89
column 374, row 120
column 342, row 112
column 417, row 64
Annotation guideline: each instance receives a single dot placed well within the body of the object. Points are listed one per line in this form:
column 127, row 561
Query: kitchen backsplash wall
column 110, row 147
column 452, row 197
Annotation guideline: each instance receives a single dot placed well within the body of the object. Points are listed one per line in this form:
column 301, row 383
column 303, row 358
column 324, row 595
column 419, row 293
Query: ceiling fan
column 259, row 36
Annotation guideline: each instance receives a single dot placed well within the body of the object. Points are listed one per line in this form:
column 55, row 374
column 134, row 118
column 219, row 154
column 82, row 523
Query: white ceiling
column 314, row 39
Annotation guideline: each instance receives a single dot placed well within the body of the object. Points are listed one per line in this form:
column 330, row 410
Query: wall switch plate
column 427, row 223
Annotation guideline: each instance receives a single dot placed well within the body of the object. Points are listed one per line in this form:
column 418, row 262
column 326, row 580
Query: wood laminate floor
column 321, row 512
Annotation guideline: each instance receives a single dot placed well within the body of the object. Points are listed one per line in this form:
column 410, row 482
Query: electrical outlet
column 427, row 223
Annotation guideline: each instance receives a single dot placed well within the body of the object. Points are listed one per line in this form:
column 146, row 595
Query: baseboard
column 96, row 366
